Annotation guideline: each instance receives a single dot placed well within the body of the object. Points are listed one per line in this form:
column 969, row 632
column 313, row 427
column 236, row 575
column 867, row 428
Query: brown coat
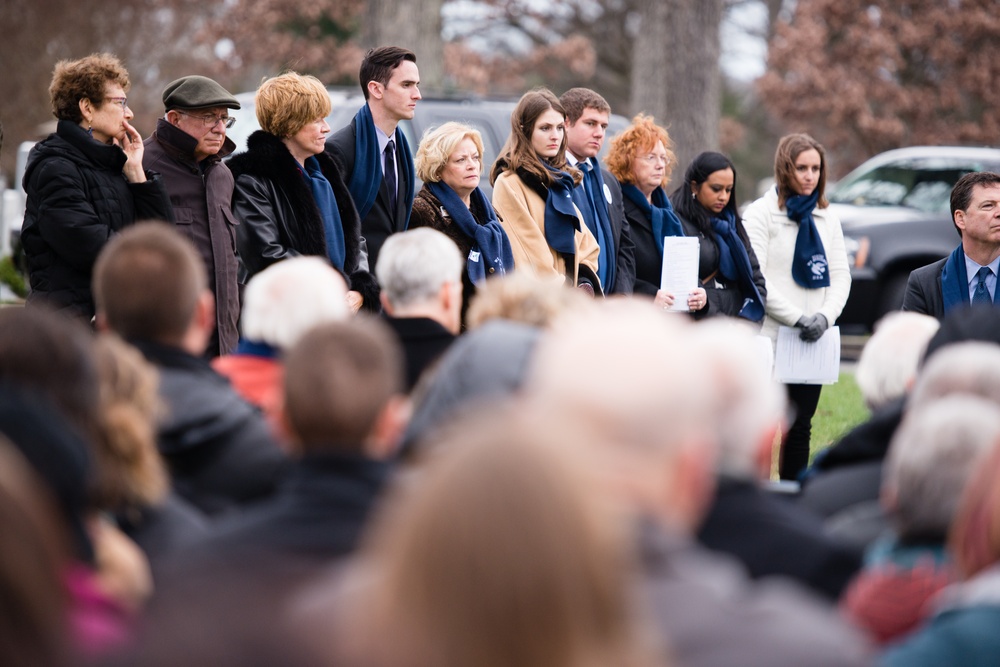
column 522, row 214
column 202, row 205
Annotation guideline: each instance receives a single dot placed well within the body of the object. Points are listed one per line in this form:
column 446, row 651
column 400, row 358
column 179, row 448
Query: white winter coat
column 772, row 235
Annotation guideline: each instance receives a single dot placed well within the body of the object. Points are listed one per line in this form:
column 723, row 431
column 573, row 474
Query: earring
column 90, row 129
column 694, row 195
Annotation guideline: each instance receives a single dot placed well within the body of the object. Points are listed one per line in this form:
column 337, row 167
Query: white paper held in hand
column 799, row 362
column 679, row 273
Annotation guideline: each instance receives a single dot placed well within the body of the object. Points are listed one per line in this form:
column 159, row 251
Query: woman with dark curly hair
column 84, row 182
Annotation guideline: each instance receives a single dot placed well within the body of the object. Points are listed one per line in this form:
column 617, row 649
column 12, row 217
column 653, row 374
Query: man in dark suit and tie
column 969, row 274
column 374, row 150
column 599, row 196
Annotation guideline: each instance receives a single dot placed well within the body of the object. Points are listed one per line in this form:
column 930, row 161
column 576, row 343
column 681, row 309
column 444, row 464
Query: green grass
column 840, row 409
column 10, row 276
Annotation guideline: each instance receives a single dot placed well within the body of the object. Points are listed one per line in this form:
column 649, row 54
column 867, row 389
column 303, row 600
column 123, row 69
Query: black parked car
column 896, row 218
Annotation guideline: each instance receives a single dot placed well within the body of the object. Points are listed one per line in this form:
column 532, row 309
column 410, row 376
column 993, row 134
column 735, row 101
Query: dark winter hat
column 197, row 92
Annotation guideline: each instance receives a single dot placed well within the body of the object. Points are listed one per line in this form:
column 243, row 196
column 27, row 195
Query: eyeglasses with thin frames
column 210, row 121
column 121, row 101
column 653, row 158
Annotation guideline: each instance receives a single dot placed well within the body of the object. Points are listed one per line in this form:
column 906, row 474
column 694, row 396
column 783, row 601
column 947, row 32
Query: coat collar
column 180, row 145
column 107, row 156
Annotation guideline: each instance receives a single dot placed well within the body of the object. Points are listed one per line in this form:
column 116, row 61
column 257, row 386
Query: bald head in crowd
column 645, row 388
column 636, row 377
column 149, row 284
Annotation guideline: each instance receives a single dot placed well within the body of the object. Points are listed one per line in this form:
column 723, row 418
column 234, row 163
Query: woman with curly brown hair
column 84, row 183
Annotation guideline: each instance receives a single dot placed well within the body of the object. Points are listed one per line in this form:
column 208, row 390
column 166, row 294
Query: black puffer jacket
column 279, row 217
column 77, row 198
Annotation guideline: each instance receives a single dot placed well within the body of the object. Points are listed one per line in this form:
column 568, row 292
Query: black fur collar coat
column 278, row 214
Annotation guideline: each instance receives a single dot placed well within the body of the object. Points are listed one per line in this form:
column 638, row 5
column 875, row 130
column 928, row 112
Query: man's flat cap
column 197, row 92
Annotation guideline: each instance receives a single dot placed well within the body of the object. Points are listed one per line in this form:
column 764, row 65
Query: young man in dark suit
column 599, row 196
column 374, row 150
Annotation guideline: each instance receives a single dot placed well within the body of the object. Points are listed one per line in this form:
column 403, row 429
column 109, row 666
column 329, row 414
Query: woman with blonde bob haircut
column 290, row 195
column 449, row 162
column 502, row 555
column 642, row 159
column 532, row 193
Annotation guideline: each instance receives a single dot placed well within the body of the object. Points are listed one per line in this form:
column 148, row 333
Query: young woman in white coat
column 800, row 247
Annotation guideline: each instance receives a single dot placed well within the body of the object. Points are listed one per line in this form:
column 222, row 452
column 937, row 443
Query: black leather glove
column 812, row 327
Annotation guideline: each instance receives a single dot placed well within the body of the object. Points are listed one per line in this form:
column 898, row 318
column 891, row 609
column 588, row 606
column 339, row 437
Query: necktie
column 390, row 174
column 585, row 167
column 981, row 294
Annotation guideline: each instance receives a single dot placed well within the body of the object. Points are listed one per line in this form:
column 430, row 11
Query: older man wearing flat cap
column 187, row 150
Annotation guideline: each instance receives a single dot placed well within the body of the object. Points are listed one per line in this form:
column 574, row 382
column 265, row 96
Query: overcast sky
column 744, row 53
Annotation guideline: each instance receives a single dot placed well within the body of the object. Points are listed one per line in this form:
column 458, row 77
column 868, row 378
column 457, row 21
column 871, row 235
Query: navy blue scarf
column 333, row 227
column 257, row 349
column 809, row 266
column 367, row 176
column 589, row 197
column 490, row 243
column 955, row 280
column 734, row 264
column 660, row 214
column 561, row 220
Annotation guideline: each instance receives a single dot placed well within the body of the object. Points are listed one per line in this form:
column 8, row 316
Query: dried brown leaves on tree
column 310, row 36
column 157, row 40
column 864, row 77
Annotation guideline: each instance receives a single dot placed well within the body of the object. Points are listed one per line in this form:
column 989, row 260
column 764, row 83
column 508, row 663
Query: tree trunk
column 774, row 8
column 675, row 73
column 413, row 25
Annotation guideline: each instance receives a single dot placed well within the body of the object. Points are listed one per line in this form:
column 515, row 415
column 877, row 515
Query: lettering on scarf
column 817, row 266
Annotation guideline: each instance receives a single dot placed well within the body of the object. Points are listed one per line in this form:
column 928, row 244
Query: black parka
column 77, row 197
